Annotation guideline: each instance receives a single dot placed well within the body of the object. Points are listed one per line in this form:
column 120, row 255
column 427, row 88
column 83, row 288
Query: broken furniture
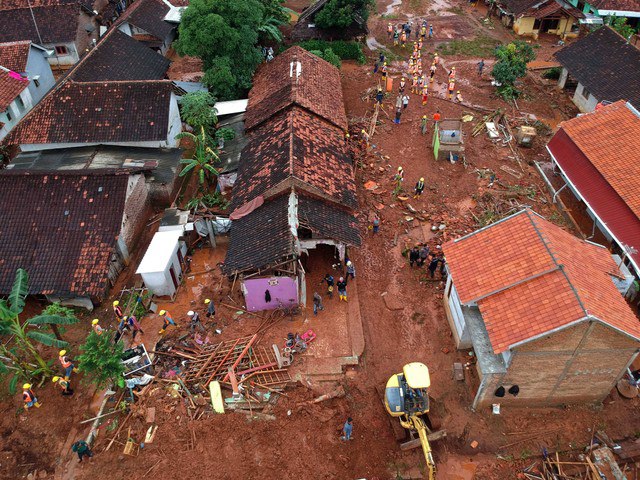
column 525, row 135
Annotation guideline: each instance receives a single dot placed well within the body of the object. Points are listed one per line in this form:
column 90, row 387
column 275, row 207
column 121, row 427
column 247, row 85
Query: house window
column 36, row 82
column 61, row 50
column 20, row 103
column 585, row 93
column 9, row 117
column 536, row 24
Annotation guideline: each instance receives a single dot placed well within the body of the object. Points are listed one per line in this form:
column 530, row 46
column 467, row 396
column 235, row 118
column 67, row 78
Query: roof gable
column 605, row 64
column 98, row 112
column 524, row 298
column 119, row 57
column 317, row 88
column 148, row 15
column 65, row 234
column 11, row 85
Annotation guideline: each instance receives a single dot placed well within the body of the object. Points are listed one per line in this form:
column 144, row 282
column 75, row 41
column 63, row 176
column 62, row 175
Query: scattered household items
column 525, row 135
column 447, row 142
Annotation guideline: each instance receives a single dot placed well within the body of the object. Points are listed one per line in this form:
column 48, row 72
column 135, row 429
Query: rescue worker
column 414, row 84
column 96, row 326
column 351, row 270
column 389, row 30
column 436, row 58
column 458, row 97
column 67, row 364
column 452, row 74
column 29, row 397
column 383, row 70
column 82, row 449
column 423, row 32
column 425, row 94
column 134, row 326
column 117, row 310
column 399, row 176
column 195, row 321
column 167, row 321
column 420, row 83
column 365, row 137
column 211, row 308
column 431, row 31
column 436, row 116
column 379, row 95
column 403, row 39
column 65, row 385
column 433, row 71
column 328, row 278
column 423, row 125
column 451, row 88
column 342, row 289
column 402, row 85
column 396, row 34
column 419, row 187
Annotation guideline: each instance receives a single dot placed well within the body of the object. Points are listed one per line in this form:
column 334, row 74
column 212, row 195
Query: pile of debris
column 598, row 461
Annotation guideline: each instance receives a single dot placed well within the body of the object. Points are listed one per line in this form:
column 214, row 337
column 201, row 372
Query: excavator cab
column 407, row 393
column 406, row 397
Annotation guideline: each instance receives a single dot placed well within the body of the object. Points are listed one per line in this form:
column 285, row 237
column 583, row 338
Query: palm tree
column 269, row 29
column 19, row 356
column 204, row 156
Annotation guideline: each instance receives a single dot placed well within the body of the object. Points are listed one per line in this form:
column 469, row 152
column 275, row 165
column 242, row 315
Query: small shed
column 447, row 141
column 162, row 265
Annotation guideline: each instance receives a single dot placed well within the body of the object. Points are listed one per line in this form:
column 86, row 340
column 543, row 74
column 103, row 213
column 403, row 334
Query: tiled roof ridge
column 486, row 227
column 111, row 82
column 15, row 42
column 83, row 172
column 548, row 247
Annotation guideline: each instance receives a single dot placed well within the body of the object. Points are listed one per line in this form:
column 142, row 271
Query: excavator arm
column 423, row 431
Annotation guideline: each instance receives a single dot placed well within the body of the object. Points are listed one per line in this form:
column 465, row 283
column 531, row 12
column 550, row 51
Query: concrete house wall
column 63, row 59
column 132, row 30
column 525, row 26
column 40, row 74
column 584, row 100
column 136, row 211
column 15, row 111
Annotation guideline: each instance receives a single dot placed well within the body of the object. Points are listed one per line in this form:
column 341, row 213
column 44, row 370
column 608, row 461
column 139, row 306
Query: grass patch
column 456, row 10
column 344, row 50
column 390, row 16
column 482, row 46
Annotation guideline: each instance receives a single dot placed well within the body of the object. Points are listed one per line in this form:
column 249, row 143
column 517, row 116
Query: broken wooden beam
column 241, row 356
column 415, row 443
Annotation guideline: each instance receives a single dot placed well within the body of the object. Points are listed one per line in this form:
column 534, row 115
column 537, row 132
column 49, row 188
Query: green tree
column 511, row 64
column 342, row 13
column 224, row 34
column 274, row 8
column 198, row 110
column 204, row 157
column 329, row 56
column 19, row 355
column 620, row 25
column 101, row 360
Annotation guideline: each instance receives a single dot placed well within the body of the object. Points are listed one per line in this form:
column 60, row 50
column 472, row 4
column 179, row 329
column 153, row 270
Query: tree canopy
column 342, row 13
column 511, row 64
column 198, row 109
column 225, row 35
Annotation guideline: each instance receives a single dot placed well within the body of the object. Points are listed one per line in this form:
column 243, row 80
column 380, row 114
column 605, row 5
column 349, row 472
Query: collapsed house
column 542, row 312
column 72, row 231
column 295, row 191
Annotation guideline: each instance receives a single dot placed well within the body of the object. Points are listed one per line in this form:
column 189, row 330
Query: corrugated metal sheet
column 616, row 215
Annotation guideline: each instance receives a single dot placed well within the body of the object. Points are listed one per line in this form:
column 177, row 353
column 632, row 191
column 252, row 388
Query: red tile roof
column 529, row 277
column 301, row 148
column 616, row 5
column 10, row 88
column 14, row 55
column 55, row 23
column 277, row 86
column 598, row 152
column 98, row 112
column 65, row 234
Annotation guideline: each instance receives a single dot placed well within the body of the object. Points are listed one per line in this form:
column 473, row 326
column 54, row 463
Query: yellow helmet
column 94, row 321
column 424, row 116
column 207, row 301
column 62, row 353
column 399, row 169
column 162, row 312
column 116, row 303
column 385, row 63
column 363, row 131
column 453, row 68
column 458, row 91
column 422, row 179
column 55, row 379
column 26, row 386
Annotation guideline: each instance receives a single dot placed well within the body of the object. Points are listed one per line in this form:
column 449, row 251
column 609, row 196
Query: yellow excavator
column 406, row 397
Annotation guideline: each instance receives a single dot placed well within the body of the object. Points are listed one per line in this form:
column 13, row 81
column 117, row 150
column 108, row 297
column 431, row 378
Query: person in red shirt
column 436, row 116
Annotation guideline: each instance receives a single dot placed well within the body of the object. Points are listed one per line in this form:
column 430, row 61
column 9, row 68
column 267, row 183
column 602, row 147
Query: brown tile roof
column 617, row 5
column 608, row 137
column 327, row 221
column 148, row 15
column 276, row 87
column 14, row 55
column 10, row 88
column 529, row 277
column 13, row 4
column 605, row 64
column 296, row 147
column 98, row 112
column 65, row 234
column 56, row 23
column 119, row 57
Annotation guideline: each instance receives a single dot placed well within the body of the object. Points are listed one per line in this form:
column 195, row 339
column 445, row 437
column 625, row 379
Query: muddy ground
column 402, row 312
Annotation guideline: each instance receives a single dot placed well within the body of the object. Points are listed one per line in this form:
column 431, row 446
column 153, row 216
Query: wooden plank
column 216, row 397
column 415, row 443
column 206, row 364
column 244, row 352
column 220, row 365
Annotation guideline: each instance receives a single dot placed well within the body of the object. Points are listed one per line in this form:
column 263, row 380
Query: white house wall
column 587, row 104
column 16, row 111
column 70, row 58
column 175, row 123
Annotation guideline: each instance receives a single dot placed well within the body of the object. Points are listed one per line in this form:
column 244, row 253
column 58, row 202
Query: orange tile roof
column 528, row 277
column 608, row 137
column 14, row 55
column 10, row 88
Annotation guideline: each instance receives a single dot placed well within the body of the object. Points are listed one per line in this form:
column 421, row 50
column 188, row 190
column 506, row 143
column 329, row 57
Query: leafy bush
column 342, row 13
column 101, row 360
column 553, row 73
column 511, row 64
column 329, row 56
column 343, row 49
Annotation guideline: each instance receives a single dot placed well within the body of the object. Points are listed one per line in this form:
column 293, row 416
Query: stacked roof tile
column 65, row 234
column 528, row 277
column 606, row 64
column 295, row 144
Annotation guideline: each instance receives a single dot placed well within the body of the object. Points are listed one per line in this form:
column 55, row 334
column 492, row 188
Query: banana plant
column 18, row 353
column 203, row 159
